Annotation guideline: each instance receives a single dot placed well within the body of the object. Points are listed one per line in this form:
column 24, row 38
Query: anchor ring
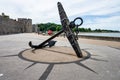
column 78, row 18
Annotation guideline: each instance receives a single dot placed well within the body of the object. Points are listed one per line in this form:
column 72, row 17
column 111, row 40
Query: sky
column 96, row 14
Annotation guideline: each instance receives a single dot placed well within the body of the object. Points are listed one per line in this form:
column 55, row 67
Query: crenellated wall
column 11, row 26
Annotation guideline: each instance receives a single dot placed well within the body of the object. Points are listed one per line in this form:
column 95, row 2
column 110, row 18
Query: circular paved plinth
column 52, row 55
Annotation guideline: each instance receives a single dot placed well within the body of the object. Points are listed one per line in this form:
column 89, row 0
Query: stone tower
column 26, row 24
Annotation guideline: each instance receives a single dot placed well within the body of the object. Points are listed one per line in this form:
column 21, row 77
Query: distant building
column 35, row 28
column 10, row 26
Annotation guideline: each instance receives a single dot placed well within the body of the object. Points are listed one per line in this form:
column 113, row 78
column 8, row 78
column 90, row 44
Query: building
column 35, row 28
column 11, row 26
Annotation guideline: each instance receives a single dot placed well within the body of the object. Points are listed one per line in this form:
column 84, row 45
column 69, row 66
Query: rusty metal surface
column 69, row 33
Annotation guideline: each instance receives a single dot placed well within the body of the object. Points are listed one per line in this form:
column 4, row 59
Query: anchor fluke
column 50, row 44
column 33, row 46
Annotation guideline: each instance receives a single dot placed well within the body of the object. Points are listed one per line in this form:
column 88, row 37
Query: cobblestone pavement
column 103, row 63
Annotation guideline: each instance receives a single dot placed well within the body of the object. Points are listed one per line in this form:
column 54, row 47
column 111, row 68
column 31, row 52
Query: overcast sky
column 103, row 14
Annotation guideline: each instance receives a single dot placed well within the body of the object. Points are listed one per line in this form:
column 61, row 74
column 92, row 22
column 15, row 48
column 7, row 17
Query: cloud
column 110, row 22
column 42, row 11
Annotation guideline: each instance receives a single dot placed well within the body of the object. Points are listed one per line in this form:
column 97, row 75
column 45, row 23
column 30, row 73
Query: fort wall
column 11, row 26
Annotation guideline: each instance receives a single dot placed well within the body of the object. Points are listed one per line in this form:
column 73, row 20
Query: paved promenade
column 103, row 62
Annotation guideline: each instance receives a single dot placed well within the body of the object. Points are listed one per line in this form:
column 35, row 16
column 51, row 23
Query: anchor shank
column 52, row 37
column 69, row 33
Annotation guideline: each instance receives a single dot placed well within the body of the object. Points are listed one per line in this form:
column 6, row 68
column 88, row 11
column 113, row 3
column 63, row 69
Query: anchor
column 67, row 29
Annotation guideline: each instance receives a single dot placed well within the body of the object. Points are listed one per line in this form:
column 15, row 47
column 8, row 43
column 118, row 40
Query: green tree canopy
column 57, row 27
column 49, row 26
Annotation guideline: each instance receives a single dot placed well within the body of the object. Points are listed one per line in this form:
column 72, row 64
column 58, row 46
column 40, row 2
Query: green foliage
column 102, row 30
column 56, row 27
column 85, row 30
column 49, row 26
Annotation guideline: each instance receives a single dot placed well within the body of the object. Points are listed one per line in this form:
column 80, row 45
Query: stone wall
column 35, row 28
column 11, row 26
column 26, row 24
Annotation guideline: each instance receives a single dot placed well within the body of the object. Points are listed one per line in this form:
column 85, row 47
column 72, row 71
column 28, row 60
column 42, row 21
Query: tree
column 49, row 26
column 58, row 28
